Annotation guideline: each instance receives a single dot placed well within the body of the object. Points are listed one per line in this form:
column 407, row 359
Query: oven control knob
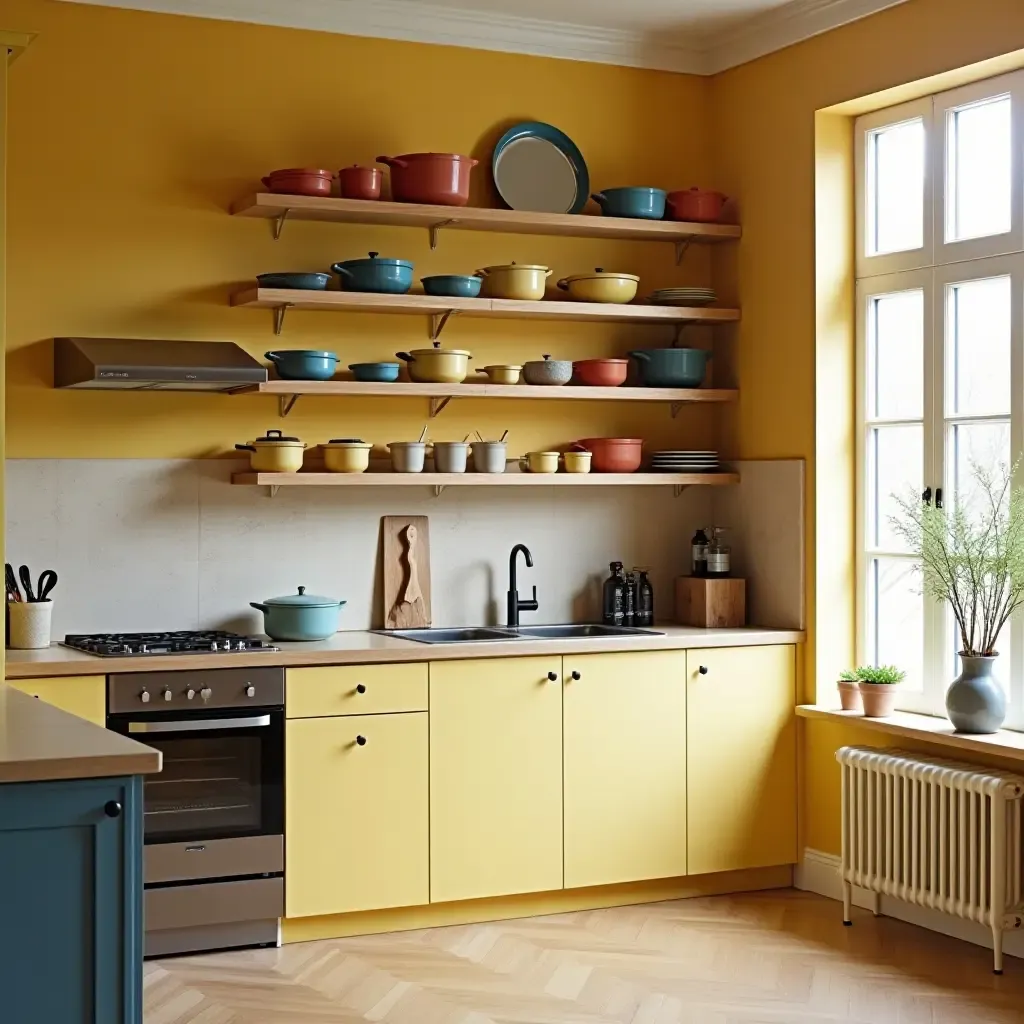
column 168, row 695
column 206, row 693
column 144, row 696
column 250, row 690
column 190, row 693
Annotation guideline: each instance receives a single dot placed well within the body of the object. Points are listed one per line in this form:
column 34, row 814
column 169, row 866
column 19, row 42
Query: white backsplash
column 144, row 544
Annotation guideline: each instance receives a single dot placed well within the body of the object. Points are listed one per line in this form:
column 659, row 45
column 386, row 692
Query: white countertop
column 38, row 743
column 362, row 647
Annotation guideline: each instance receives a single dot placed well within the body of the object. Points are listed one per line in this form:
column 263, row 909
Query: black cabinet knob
column 703, row 670
column 112, row 809
column 360, row 688
column 361, row 740
column 552, row 677
column 575, row 675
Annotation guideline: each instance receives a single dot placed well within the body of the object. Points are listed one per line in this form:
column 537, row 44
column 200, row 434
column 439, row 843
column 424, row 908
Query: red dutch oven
column 300, row 181
column 695, row 204
column 436, row 178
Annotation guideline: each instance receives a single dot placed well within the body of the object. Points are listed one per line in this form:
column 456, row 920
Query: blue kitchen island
column 70, row 867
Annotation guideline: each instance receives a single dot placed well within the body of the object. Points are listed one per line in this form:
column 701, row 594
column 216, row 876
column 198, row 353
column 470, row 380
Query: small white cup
column 408, row 456
column 450, row 456
column 30, row 624
column 489, row 456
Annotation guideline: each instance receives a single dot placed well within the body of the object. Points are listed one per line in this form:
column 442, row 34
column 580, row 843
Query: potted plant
column 849, row 691
column 877, row 686
column 972, row 556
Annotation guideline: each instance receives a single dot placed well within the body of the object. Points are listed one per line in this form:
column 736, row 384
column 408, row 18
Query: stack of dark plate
column 682, row 297
column 671, row 461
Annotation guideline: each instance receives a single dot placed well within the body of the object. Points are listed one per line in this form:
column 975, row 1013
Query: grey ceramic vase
column 975, row 701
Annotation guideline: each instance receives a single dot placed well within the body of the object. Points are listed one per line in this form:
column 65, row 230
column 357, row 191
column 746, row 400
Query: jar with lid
column 614, row 597
column 719, row 555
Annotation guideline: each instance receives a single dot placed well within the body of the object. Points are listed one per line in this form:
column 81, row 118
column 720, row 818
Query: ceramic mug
column 489, row 456
column 539, row 462
column 577, row 462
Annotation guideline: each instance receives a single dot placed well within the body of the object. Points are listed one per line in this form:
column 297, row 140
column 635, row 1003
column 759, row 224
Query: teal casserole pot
column 672, row 367
column 303, row 364
column 463, row 286
column 644, row 203
column 300, row 617
column 375, row 274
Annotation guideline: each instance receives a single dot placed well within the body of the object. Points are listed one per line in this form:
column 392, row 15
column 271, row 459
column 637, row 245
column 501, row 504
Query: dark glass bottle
column 629, row 616
column 699, row 556
column 614, row 602
column 644, row 599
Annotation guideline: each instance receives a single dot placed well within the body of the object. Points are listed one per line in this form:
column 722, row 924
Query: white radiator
column 932, row 832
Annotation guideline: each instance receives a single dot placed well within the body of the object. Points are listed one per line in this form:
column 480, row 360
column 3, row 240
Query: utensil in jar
column 47, row 581
column 26, row 582
column 13, row 593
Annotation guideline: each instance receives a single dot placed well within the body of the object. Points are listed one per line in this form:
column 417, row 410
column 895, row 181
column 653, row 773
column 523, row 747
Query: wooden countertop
column 360, row 647
column 38, row 743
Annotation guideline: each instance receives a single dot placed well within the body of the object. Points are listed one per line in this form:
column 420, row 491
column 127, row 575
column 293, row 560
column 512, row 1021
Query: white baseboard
column 819, row 873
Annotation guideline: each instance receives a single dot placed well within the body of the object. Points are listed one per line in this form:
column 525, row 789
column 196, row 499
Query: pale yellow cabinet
column 625, row 767
column 495, row 777
column 356, row 819
column 741, row 758
column 84, row 696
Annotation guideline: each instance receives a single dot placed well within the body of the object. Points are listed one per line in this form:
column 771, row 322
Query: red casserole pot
column 360, row 182
column 300, row 181
column 601, row 373
column 614, row 454
column 695, row 204
column 435, row 178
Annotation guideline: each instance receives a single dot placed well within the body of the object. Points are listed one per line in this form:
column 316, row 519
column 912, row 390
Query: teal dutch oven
column 375, row 274
column 645, row 203
column 303, row 364
column 300, row 616
column 672, row 367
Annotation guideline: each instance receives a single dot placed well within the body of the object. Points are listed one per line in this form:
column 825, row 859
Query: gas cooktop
column 121, row 645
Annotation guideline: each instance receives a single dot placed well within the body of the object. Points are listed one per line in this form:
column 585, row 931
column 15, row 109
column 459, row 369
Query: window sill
column 927, row 728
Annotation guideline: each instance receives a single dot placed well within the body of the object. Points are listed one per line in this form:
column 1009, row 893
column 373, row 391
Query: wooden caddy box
column 711, row 603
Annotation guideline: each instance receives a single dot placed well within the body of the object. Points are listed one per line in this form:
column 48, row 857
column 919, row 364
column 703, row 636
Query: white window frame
column 932, row 269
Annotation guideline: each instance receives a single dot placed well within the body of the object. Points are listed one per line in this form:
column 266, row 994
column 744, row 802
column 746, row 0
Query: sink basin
column 583, row 632
column 467, row 635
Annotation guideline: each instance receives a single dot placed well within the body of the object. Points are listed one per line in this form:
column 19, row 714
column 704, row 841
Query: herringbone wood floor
column 765, row 958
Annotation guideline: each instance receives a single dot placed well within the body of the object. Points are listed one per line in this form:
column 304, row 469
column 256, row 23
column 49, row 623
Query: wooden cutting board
column 406, row 571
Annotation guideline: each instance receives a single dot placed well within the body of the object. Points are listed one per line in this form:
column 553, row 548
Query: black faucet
column 515, row 605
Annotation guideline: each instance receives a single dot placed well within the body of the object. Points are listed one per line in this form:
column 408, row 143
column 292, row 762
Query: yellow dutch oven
column 346, row 455
column 515, row 281
column 502, row 373
column 274, row 453
column 601, row 286
column 437, row 365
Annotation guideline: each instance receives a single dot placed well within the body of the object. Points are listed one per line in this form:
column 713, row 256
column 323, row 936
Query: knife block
column 711, row 603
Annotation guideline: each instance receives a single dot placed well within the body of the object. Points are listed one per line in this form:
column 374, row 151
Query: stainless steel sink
column 583, row 632
column 467, row 635
column 492, row 634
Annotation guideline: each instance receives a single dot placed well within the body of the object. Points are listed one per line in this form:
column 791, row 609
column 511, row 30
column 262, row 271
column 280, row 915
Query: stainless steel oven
column 214, row 817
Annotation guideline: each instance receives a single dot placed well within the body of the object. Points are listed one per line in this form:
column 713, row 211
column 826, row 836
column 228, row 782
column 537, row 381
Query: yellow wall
column 131, row 133
column 764, row 138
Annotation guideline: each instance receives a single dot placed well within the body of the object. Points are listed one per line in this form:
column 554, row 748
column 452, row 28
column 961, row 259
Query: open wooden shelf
column 441, row 308
column 280, row 208
column 510, row 478
column 288, row 391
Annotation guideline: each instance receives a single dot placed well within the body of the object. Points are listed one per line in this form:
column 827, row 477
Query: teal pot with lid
column 672, row 367
column 375, row 274
column 643, row 203
column 300, row 617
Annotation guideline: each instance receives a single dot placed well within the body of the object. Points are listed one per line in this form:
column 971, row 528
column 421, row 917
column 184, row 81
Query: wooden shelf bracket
column 437, row 322
column 438, row 404
column 681, row 246
column 677, row 489
column 438, row 490
column 675, row 407
column 435, row 228
column 285, row 404
column 278, row 224
column 279, row 312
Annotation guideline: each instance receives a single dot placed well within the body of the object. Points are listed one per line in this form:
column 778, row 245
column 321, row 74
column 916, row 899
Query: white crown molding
column 435, row 23
column 776, row 29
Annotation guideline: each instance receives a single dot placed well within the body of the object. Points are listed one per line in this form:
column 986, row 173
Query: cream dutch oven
column 274, row 453
column 437, row 365
column 515, row 281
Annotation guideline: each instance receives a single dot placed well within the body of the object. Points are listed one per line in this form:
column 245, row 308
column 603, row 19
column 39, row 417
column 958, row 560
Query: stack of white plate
column 682, row 297
column 684, row 462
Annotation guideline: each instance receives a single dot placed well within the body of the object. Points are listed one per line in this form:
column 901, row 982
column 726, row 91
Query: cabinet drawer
column 84, row 696
column 355, row 690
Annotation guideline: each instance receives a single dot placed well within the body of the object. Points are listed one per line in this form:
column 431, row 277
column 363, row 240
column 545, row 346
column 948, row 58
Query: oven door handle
column 195, row 724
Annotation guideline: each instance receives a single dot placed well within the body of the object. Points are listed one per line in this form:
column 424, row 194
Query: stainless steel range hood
column 125, row 364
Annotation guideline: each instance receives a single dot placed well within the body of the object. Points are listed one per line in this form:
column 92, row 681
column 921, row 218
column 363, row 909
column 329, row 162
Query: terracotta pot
column 695, row 204
column 436, row 178
column 300, row 181
column 360, row 182
column 879, row 699
column 849, row 695
column 614, row 454
column 601, row 373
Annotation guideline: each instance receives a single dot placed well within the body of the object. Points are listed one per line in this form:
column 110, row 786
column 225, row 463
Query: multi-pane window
column 940, row 343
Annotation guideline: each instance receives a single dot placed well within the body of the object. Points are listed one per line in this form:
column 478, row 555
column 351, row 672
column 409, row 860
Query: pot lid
column 601, row 362
column 503, row 366
column 302, row 600
column 546, row 358
column 516, row 266
column 601, row 273
column 438, row 351
column 348, row 442
column 276, row 437
column 378, row 261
